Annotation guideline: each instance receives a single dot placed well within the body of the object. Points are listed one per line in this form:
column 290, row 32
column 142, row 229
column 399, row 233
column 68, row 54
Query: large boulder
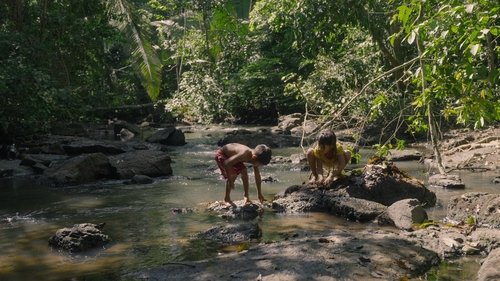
column 81, row 169
column 152, row 163
column 480, row 207
column 359, row 198
column 79, row 238
column 490, row 270
column 386, row 184
column 404, row 214
column 299, row 199
column 168, row 136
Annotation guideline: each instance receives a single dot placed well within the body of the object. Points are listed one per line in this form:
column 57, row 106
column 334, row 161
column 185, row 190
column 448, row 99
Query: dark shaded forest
column 408, row 66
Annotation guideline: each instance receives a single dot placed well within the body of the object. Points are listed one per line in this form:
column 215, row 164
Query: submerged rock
column 229, row 234
column 338, row 255
column 79, row 238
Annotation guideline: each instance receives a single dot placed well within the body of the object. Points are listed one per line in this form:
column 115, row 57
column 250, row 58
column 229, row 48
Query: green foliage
column 471, row 220
column 354, row 154
column 53, row 62
column 383, row 150
column 146, row 62
column 461, row 54
column 209, row 62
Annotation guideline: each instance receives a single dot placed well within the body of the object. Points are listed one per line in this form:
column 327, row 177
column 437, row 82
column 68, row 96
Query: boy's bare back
column 237, row 152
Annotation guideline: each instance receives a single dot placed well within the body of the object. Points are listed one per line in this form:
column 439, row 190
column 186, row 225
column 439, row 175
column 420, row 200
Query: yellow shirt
column 319, row 154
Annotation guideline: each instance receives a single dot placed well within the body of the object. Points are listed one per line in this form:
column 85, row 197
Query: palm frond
column 146, row 59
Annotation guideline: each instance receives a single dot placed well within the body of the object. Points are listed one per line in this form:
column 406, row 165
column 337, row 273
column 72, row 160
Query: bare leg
column 311, row 160
column 244, row 179
column 227, row 197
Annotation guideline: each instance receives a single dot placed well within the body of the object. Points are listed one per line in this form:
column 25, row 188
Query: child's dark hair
column 326, row 137
column 263, row 154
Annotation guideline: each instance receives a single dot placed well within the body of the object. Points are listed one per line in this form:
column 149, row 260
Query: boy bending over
column 231, row 158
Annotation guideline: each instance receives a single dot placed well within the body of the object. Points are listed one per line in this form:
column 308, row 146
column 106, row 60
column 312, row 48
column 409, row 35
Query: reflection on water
column 144, row 230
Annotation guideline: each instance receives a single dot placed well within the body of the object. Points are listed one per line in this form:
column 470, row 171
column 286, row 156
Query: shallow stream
column 144, row 230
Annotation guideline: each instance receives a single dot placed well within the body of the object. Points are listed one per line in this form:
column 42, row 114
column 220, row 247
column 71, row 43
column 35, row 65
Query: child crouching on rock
column 231, row 158
column 327, row 152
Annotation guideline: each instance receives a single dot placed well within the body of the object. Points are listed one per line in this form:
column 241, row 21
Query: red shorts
column 220, row 157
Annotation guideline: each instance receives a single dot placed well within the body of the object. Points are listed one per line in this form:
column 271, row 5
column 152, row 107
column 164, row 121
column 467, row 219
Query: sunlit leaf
column 412, row 36
column 474, row 49
column 469, row 8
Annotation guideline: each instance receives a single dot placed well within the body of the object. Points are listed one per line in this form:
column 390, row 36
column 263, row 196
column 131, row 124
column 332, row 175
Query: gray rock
column 141, row 179
column 490, row 271
column 404, row 155
column 386, row 184
column 81, row 169
column 405, row 213
column 239, row 210
column 79, row 238
column 355, row 209
column 483, row 208
column 338, row 255
column 168, row 136
column 229, row 234
column 446, row 181
column 150, row 163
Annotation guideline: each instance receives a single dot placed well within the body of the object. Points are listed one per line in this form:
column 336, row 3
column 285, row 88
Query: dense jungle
column 154, row 86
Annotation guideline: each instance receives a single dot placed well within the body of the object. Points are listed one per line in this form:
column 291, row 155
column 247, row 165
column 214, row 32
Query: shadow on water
column 145, row 232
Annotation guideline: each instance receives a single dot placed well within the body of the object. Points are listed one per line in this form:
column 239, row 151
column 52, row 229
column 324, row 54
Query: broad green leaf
column 404, row 13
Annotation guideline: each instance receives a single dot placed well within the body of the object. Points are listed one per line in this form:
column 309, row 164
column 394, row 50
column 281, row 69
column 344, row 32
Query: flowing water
column 144, row 230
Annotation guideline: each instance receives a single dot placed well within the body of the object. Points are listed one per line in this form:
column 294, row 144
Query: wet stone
column 446, row 181
column 79, row 238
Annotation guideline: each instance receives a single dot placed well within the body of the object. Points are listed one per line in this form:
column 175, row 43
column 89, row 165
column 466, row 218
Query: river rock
column 404, row 155
column 449, row 181
column 132, row 128
column 239, row 210
column 490, row 271
column 484, row 239
column 84, row 146
column 152, row 163
column 234, row 233
column 386, row 184
column 299, row 199
column 81, row 169
column 404, row 214
column 337, row 255
column 483, row 208
column 252, row 139
column 168, row 136
column 141, row 179
column 79, row 238
column 355, row 209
